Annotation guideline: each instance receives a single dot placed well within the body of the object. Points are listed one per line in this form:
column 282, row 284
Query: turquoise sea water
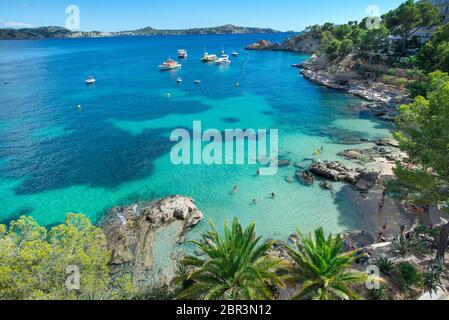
column 55, row 158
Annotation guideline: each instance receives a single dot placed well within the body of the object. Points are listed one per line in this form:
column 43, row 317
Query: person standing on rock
column 381, row 233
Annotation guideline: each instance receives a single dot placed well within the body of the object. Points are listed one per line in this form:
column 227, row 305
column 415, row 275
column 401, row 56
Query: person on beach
column 381, row 233
column 382, row 202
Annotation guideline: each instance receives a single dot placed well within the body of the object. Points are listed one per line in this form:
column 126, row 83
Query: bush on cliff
column 36, row 263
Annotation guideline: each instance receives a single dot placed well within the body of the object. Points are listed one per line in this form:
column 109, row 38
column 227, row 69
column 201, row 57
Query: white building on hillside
column 443, row 6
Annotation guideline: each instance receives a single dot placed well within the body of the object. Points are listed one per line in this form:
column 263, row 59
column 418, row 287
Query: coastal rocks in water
column 381, row 110
column 305, row 42
column 362, row 180
column 388, row 142
column 342, row 77
column 367, row 180
column 326, row 185
column 143, row 240
column 305, row 177
column 283, row 163
column 362, row 155
column 335, row 171
column 260, row 45
column 289, row 179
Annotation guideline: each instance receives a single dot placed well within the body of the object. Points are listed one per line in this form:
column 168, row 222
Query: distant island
column 59, row 32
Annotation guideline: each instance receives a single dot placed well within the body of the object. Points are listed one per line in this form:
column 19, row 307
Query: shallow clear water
column 55, row 158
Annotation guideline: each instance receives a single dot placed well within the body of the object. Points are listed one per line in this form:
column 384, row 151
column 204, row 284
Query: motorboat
column 235, row 53
column 179, row 80
column 224, row 59
column 197, row 81
column 169, row 65
column 90, row 80
column 182, row 54
column 209, row 57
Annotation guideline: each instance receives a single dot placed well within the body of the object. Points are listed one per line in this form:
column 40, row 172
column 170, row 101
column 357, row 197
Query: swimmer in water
column 236, row 189
column 273, row 195
column 254, row 201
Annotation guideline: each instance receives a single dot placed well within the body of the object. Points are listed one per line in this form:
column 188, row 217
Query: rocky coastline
column 319, row 70
column 144, row 239
column 306, row 42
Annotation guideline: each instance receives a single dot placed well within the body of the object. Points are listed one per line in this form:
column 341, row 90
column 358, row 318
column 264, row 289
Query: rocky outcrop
column 363, row 180
column 367, row 180
column 304, row 42
column 326, row 185
column 260, row 45
column 143, row 239
column 334, row 171
column 305, row 177
column 341, row 76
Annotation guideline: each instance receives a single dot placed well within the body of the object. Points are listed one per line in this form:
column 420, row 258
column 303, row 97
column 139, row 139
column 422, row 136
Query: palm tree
column 322, row 268
column 235, row 267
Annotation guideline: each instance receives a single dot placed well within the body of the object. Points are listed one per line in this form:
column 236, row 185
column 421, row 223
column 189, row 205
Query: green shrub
column 391, row 71
column 432, row 278
column 409, row 275
column 401, row 82
column 385, row 265
column 432, row 234
column 400, row 247
column 378, row 294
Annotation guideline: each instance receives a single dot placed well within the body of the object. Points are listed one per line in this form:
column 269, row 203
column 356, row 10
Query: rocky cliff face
column 144, row 239
column 305, row 42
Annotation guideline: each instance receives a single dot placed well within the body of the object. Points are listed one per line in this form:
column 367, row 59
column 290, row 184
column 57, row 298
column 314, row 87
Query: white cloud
column 14, row 24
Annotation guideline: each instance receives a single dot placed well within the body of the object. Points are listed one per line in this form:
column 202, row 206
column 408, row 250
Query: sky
column 119, row 15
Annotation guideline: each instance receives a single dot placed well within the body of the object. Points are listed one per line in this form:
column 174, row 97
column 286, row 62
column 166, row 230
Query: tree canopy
column 39, row 264
column 410, row 17
column 423, row 132
column 434, row 55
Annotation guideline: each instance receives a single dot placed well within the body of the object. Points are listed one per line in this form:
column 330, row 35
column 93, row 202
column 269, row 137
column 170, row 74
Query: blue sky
column 115, row 15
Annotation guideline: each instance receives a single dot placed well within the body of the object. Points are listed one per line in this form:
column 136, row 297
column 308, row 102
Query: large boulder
column 260, row 45
column 335, row 171
column 305, row 177
column 144, row 239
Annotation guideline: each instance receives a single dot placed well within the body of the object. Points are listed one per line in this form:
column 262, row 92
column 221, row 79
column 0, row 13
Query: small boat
column 6, row 82
column 209, row 57
column 235, row 53
column 224, row 59
column 90, row 80
column 169, row 65
column 197, row 81
column 179, row 80
column 182, row 54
